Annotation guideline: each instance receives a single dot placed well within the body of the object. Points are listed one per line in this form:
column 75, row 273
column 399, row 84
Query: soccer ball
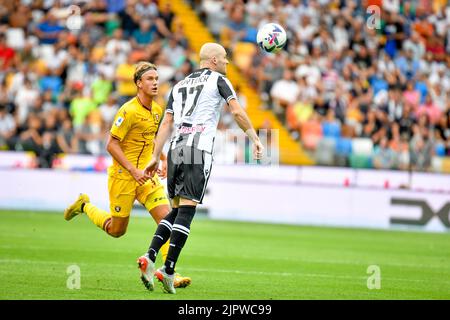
column 271, row 37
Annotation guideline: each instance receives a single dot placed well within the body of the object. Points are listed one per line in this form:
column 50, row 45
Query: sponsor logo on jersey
column 186, row 130
column 148, row 134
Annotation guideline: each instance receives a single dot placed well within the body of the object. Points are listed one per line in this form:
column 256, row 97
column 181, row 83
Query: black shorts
column 188, row 170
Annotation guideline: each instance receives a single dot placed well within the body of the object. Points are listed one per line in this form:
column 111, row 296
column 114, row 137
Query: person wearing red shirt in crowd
column 430, row 109
column 6, row 53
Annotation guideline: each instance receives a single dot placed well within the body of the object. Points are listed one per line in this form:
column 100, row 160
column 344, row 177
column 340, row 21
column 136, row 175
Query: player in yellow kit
column 131, row 145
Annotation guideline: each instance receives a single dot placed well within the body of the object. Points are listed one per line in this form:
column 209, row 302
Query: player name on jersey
column 192, row 81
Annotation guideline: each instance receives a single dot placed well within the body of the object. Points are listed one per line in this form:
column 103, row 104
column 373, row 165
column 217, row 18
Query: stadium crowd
column 349, row 73
column 339, row 77
column 62, row 79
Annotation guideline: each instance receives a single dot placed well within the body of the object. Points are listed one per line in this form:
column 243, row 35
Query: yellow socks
column 97, row 216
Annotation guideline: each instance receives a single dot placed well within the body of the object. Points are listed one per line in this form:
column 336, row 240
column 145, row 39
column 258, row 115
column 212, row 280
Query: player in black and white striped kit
column 193, row 109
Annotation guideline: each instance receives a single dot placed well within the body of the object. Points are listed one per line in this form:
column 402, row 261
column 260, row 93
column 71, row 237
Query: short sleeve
column 169, row 107
column 225, row 89
column 121, row 125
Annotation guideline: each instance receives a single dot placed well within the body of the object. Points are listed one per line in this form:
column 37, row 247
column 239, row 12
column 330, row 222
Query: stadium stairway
column 197, row 34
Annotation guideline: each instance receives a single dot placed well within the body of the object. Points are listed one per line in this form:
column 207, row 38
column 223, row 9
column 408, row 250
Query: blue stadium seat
column 344, row 146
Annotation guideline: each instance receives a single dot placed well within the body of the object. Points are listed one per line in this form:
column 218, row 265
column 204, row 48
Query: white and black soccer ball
column 271, row 37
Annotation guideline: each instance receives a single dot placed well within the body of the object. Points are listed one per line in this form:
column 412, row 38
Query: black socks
column 162, row 234
column 180, row 233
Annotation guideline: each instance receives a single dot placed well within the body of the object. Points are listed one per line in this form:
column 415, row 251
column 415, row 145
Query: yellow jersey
column 135, row 127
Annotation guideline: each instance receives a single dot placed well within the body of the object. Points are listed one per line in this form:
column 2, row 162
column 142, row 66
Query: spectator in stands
column 284, row 93
column 80, row 107
column 394, row 31
column 90, row 135
column 384, row 157
column 7, row 128
column 52, row 82
column 371, row 124
column 77, row 67
column 236, row 28
column 436, row 47
column 165, row 20
column 129, row 18
column 66, row 139
column 407, row 64
column 147, row 9
column 118, row 48
column 415, row 45
column 173, row 52
column 108, row 110
column 94, row 31
column 20, row 17
column 24, row 99
column 48, row 31
column 311, row 131
column 101, row 88
column 5, row 98
column 124, row 79
column 411, row 95
column 50, row 146
column 7, row 54
column 402, row 69
column 421, row 153
column 30, row 139
column 271, row 70
column 430, row 109
column 145, row 34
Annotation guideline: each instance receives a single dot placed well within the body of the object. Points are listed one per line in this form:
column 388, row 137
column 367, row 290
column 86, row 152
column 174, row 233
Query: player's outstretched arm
column 164, row 132
column 241, row 118
column 114, row 149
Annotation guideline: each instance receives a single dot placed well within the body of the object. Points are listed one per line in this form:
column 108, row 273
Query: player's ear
column 139, row 83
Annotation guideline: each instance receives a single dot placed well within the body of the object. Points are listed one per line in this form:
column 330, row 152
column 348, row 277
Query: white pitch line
column 249, row 272
column 328, row 261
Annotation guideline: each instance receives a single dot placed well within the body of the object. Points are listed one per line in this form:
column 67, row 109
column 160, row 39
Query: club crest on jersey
column 117, row 208
column 118, row 121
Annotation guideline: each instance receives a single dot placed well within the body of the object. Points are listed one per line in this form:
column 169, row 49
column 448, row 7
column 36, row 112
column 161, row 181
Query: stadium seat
column 343, row 151
column 344, row 146
column 360, row 161
column 325, row 151
column 445, row 165
column 362, row 146
column 436, row 164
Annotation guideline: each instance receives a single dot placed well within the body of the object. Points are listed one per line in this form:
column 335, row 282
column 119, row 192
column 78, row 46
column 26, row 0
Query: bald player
column 193, row 109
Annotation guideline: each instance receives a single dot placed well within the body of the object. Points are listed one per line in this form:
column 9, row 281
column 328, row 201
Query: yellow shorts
column 123, row 193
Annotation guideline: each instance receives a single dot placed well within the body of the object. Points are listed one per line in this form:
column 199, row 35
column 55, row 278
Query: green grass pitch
column 226, row 260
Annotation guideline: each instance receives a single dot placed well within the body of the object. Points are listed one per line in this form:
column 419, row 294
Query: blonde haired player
column 131, row 144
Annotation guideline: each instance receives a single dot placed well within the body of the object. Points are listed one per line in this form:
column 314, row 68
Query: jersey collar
column 147, row 108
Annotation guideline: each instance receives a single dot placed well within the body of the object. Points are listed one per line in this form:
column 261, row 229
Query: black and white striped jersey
column 195, row 103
